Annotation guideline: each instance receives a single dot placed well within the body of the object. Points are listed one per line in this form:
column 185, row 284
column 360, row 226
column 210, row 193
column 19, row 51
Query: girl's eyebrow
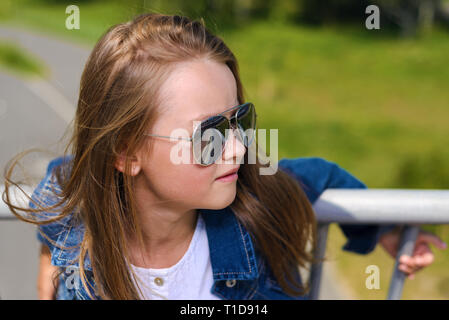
column 205, row 116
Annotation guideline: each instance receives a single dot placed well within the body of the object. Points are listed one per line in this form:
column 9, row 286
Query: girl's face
column 194, row 91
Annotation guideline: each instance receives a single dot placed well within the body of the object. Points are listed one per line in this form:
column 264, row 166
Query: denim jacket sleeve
column 315, row 175
column 46, row 195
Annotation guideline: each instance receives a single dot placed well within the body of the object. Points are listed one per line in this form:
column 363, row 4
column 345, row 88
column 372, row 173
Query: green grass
column 48, row 16
column 376, row 105
column 17, row 60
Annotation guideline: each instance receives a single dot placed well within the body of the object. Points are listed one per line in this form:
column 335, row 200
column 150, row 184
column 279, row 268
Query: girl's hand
column 45, row 288
column 422, row 254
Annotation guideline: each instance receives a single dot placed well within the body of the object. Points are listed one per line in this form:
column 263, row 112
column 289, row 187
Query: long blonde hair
column 117, row 103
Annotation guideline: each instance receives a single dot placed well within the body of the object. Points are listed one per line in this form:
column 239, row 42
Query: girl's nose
column 234, row 148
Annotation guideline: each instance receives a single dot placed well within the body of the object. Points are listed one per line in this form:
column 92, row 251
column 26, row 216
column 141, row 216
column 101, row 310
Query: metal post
column 317, row 268
column 406, row 246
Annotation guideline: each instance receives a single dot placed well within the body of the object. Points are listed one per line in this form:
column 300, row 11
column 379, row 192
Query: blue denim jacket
column 232, row 252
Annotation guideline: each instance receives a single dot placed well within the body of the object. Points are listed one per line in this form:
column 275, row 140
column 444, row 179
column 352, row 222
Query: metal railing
column 406, row 207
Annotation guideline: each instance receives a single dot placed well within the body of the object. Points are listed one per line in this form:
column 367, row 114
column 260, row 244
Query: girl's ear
column 120, row 163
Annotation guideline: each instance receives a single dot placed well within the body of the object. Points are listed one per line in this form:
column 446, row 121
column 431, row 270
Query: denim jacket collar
column 232, row 252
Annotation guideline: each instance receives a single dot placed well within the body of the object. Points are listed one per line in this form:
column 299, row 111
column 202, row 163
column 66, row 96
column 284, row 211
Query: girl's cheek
column 198, row 177
column 186, row 175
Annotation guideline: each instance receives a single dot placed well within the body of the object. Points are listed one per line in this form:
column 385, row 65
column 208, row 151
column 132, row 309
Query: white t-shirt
column 189, row 279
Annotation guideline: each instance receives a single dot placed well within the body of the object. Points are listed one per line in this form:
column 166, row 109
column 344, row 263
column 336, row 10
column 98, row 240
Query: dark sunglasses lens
column 246, row 122
column 208, row 144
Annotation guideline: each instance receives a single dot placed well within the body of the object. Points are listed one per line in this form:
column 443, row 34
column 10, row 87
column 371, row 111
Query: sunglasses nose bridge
column 232, row 123
column 233, row 126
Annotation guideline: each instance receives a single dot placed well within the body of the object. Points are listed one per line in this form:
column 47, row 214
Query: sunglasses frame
column 230, row 121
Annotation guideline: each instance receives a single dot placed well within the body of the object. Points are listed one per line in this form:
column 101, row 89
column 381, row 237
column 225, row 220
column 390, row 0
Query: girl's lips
column 230, row 172
column 229, row 178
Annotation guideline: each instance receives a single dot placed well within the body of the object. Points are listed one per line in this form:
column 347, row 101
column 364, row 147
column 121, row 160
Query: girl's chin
column 225, row 200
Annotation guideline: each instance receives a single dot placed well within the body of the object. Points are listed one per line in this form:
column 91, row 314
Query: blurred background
column 374, row 101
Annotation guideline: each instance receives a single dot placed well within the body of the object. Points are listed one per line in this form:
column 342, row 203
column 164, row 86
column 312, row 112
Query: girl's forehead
column 197, row 89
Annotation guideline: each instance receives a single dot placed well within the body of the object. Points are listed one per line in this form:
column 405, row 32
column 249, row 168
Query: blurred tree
column 215, row 13
column 331, row 11
column 442, row 12
column 412, row 16
column 409, row 16
column 285, row 10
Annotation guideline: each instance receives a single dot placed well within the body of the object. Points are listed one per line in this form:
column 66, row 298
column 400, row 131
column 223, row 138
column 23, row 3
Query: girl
column 120, row 218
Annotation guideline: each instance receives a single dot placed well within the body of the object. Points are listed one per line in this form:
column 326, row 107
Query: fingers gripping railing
column 406, row 246
column 407, row 207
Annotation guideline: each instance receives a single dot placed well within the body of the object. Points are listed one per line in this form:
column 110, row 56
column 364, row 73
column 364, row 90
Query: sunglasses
column 210, row 136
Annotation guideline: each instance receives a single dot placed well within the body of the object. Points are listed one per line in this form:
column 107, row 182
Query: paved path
column 33, row 114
